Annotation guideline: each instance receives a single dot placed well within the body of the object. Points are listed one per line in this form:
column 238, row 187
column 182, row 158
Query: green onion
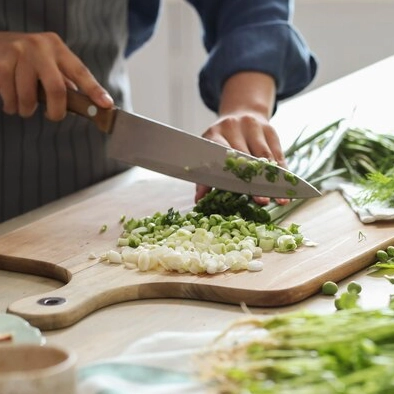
column 349, row 351
column 201, row 242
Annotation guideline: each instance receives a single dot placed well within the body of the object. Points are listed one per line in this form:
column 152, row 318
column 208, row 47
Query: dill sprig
column 377, row 187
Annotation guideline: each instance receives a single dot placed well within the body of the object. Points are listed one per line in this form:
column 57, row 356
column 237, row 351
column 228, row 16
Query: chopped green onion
column 213, row 243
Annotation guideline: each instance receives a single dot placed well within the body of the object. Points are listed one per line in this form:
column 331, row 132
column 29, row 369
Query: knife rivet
column 51, row 301
column 92, row 110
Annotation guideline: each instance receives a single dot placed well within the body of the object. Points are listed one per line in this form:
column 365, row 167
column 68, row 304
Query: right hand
column 29, row 58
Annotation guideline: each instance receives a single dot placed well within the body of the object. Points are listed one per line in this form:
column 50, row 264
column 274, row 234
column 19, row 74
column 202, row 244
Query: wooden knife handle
column 81, row 104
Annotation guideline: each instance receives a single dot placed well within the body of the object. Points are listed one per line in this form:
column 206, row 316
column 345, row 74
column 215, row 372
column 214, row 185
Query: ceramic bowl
column 35, row 369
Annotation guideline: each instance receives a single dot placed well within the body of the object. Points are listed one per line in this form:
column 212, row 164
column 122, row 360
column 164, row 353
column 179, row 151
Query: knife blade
column 140, row 141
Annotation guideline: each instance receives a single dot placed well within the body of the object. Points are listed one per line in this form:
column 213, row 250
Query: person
column 256, row 57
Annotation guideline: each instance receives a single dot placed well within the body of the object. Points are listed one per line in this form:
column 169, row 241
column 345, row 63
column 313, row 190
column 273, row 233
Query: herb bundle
column 357, row 155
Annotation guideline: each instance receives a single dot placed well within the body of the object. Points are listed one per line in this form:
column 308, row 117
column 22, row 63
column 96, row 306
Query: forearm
column 253, row 92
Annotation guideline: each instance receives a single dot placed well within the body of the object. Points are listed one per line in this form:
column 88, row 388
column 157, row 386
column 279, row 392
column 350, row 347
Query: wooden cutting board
column 59, row 245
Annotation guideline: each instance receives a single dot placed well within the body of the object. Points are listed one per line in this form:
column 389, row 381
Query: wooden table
column 368, row 94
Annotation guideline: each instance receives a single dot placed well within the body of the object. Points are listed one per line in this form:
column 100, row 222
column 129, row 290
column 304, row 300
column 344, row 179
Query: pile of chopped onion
column 198, row 244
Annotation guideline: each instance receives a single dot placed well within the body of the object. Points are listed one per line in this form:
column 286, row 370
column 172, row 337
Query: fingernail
column 107, row 99
column 282, row 201
column 262, row 200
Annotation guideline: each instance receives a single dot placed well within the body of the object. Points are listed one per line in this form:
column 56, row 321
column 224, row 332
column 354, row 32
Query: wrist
column 251, row 92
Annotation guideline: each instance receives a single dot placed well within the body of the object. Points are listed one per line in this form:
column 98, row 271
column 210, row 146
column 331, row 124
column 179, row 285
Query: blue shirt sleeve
column 142, row 19
column 252, row 35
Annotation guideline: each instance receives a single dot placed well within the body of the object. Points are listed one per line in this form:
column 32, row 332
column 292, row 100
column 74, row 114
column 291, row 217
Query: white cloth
column 160, row 364
column 367, row 213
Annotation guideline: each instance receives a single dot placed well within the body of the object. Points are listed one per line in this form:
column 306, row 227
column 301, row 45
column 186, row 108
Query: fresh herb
column 377, row 187
column 349, row 351
column 228, row 203
column 358, row 155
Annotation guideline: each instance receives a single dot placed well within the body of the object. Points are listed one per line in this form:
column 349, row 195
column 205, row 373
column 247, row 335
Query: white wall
column 345, row 35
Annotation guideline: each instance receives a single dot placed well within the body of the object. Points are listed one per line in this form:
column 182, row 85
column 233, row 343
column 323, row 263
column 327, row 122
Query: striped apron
column 41, row 161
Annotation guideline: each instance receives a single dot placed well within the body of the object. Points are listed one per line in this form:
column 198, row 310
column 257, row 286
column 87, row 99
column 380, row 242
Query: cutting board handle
column 81, row 104
column 82, row 295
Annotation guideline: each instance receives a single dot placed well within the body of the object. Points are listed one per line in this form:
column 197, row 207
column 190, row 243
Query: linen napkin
column 159, row 364
column 367, row 213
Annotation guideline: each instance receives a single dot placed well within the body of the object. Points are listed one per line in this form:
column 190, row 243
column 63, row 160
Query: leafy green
column 377, row 187
column 227, row 203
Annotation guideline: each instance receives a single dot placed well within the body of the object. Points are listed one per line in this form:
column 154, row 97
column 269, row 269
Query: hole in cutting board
column 51, row 301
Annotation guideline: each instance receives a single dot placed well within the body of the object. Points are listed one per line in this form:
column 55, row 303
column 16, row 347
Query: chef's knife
column 140, row 141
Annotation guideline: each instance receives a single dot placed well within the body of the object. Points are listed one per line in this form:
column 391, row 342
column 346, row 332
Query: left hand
column 249, row 132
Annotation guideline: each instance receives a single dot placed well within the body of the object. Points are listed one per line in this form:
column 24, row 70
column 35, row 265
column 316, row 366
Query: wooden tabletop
column 367, row 95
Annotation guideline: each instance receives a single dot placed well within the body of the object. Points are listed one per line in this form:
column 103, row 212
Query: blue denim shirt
column 239, row 35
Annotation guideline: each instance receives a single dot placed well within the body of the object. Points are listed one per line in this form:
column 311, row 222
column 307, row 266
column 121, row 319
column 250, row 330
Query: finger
column 213, row 134
column 266, row 200
column 278, row 155
column 201, row 191
column 26, row 87
column 56, row 95
column 273, row 142
column 261, row 200
column 229, row 130
column 70, row 84
column 79, row 74
column 258, row 141
column 282, row 201
column 7, row 87
column 266, row 144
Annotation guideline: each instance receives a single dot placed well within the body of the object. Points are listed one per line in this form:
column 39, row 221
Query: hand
column 246, row 105
column 250, row 133
column 29, row 58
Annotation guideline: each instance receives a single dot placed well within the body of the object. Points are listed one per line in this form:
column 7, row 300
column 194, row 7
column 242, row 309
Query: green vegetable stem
column 350, row 351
